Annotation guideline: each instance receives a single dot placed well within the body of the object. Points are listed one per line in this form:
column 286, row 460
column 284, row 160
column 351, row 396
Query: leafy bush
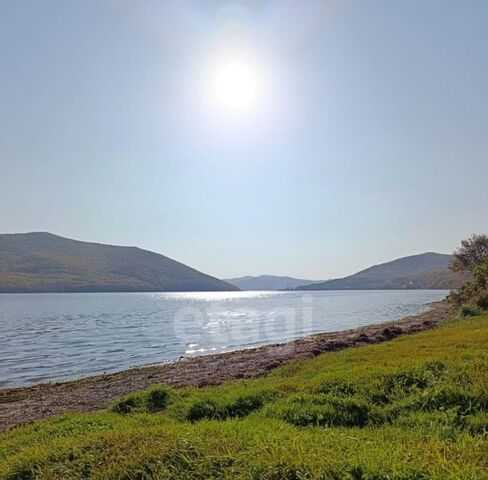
column 472, row 260
column 247, row 402
column 482, row 301
column 204, row 408
column 237, row 405
column 152, row 400
column 157, row 398
column 470, row 311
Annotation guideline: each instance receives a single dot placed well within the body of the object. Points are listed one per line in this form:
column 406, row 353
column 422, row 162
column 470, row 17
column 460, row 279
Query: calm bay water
column 47, row 337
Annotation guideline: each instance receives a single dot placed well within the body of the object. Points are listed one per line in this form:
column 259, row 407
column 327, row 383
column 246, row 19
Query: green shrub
column 482, row 301
column 236, row 405
column 204, row 408
column 128, row 404
column 157, row 398
column 320, row 410
column 247, row 402
column 152, row 400
column 387, row 414
column 339, row 388
column 470, row 311
column 407, row 381
column 451, row 396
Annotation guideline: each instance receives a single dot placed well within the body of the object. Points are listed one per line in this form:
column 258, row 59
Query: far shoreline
column 234, row 291
column 20, row 405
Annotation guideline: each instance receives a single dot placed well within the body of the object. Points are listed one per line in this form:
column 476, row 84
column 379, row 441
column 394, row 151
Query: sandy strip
column 27, row 404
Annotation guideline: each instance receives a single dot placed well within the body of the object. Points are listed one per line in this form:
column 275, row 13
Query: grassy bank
column 412, row 408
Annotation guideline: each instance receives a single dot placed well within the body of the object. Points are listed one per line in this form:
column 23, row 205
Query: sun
column 236, row 85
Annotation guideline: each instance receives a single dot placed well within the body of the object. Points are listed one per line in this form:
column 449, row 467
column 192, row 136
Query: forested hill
column 424, row 271
column 43, row 262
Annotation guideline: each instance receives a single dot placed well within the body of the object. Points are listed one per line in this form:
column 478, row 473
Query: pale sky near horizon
column 302, row 138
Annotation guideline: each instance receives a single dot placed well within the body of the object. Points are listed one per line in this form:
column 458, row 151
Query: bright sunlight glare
column 236, row 85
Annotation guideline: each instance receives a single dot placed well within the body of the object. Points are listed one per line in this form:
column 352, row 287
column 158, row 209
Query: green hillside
column 42, row 262
column 424, row 271
column 410, row 409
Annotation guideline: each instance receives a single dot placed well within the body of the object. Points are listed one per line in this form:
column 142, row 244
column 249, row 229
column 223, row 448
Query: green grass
column 410, row 409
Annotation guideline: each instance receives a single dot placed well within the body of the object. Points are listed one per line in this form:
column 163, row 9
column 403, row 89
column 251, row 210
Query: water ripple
column 48, row 337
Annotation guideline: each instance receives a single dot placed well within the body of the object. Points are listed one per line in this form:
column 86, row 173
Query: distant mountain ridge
column 425, row 271
column 268, row 282
column 43, row 262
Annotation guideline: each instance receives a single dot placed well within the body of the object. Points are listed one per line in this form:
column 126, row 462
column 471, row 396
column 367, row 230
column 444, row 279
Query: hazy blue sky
column 366, row 137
